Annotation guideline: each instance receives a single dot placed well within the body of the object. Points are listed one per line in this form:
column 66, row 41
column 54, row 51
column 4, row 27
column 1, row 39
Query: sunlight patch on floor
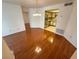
column 51, row 28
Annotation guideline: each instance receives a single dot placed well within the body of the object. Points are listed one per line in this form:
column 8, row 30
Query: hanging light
column 37, row 14
column 37, row 10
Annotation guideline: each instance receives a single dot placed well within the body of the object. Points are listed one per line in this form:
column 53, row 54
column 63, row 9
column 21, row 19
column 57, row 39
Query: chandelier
column 36, row 10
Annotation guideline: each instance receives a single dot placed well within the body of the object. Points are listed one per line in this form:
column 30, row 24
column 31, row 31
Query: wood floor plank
column 36, row 43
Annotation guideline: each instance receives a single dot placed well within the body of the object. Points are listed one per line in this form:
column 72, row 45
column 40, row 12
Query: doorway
column 50, row 19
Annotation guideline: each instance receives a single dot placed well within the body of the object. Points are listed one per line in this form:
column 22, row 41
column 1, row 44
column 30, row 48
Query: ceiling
column 31, row 3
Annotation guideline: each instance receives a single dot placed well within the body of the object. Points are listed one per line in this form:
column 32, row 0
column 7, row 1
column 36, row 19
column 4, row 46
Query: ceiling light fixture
column 37, row 10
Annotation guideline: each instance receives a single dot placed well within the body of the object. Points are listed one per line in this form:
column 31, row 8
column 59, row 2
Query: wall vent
column 60, row 31
column 68, row 4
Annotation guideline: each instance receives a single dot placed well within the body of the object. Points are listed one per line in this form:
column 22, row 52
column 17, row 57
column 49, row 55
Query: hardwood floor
column 36, row 43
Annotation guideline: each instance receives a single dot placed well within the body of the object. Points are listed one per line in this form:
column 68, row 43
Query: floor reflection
column 36, row 43
column 51, row 39
column 51, row 29
column 38, row 49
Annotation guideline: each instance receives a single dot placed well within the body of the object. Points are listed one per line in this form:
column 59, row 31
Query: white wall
column 6, row 52
column 26, row 18
column 71, row 29
column 36, row 21
column 12, row 19
column 66, row 20
column 25, row 15
column 62, row 17
column 74, row 56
